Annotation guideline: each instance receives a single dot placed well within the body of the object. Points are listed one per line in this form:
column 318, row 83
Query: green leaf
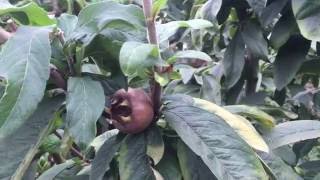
column 102, row 138
column 155, row 144
column 191, row 165
column 169, row 167
column 169, row 29
column 253, row 112
column 189, row 54
column 257, row 5
column 292, row 132
column 136, row 58
column 24, row 63
column 67, row 23
column 272, row 11
column 308, row 8
column 133, row 160
column 211, row 138
column 210, row 9
column 18, row 150
column 279, row 112
column 85, row 103
column 28, row 14
column 252, row 35
column 157, row 6
column 104, row 157
column 309, row 26
column 289, row 59
column 233, row 61
column 54, row 171
column 210, row 89
column 279, row 168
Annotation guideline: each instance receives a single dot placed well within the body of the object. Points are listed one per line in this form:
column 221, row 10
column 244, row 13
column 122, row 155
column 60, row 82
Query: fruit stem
column 152, row 37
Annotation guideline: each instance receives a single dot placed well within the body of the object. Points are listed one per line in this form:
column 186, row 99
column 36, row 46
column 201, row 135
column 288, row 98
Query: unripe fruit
column 131, row 111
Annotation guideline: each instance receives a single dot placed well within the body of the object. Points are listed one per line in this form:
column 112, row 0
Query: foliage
column 233, row 85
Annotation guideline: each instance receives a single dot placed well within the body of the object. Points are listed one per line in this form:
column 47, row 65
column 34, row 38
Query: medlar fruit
column 131, row 111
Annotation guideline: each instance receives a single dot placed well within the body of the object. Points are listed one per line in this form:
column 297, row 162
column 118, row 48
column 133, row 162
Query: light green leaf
column 85, row 103
column 157, row 6
column 189, row 54
column 99, row 140
column 54, row 171
column 137, row 58
column 28, row 14
column 292, row 132
column 133, row 160
column 167, row 30
column 67, row 23
column 18, row 150
column 308, row 8
column 253, row 112
column 309, row 26
column 210, row 137
column 24, row 63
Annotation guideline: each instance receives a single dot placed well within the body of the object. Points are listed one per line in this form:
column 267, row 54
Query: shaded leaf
column 233, row 61
column 169, row 167
column 54, row 171
column 155, row 144
column 222, row 150
column 257, row 5
column 272, row 11
column 85, row 103
column 18, row 150
column 289, row 59
column 133, row 160
column 211, row 89
column 210, row 9
column 23, row 60
column 292, row 132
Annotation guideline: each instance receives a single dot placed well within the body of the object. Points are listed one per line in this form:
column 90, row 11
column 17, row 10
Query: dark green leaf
column 168, row 167
column 85, row 103
column 28, row 14
column 233, row 61
column 51, row 173
column 252, row 35
column 23, row 60
column 104, row 156
column 18, row 149
column 211, row 138
column 311, row 166
column 211, row 89
column 272, row 11
column 192, row 167
column 257, row 5
column 133, row 161
column 292, row 132
column 289, row 59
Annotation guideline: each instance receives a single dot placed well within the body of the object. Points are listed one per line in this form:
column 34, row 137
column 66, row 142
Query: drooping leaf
column 103, row 158
column 253, row 112
column 272, row 11
column 289, row 59
column 133, row 160
column 85, row 103
column 308, row 8
column 189, row 54
column 28, row 14
column 136, row 59
column 210, row 9
column 252, row 35
column 211, row 138
column 292, row 132
column 191, row 165
column 54, row 171
column 155, row 144
column 279, row 168
column 24, row 63
column 233, row 61
column 309, row 26
column 169, row 29
column 18, row 150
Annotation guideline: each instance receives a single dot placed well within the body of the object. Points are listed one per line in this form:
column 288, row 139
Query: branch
column 4, row 35
column 153, row 39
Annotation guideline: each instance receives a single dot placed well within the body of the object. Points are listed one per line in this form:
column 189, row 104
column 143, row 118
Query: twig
column 153, row 39
column 73, row 149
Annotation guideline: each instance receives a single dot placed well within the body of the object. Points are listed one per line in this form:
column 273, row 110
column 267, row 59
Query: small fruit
column 131, row 111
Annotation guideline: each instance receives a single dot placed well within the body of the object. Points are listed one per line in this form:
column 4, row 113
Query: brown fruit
column 131, row 111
